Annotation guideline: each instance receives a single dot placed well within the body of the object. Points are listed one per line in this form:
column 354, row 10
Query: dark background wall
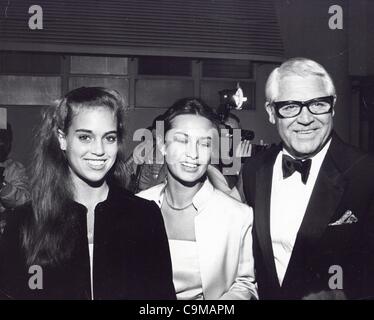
column 346, row 54
column 26, row 118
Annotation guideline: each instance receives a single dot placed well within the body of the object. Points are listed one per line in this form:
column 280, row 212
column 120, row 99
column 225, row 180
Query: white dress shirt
column 289, row 200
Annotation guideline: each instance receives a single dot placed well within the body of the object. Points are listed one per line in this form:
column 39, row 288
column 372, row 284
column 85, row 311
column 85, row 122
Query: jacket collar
column 116, row 197
column 200, row 199
column 323, row 203
column 262, row 210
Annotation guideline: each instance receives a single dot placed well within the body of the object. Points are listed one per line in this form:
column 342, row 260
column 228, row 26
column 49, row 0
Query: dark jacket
column 345, row 183
column 131, row 255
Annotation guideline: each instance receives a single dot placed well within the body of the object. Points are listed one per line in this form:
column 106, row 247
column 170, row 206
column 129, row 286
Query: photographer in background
column 233, row 152
column 13, row 179
column 224, row 175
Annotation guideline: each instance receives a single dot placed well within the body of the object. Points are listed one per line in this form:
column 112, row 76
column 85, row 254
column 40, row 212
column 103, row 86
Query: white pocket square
column 347, row 218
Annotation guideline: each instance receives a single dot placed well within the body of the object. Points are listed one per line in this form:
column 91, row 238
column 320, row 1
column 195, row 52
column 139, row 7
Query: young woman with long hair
column 209, row 232
column 83, row 236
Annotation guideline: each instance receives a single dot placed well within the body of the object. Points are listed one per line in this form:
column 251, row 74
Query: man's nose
column 98, row 147
column 305, row 117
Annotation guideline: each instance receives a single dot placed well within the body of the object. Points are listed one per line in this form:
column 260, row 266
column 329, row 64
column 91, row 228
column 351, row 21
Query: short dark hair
column 232, row 116
column 190, row 105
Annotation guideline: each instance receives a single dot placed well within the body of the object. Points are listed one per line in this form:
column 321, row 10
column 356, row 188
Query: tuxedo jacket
column 345, row 183
column 131, row 257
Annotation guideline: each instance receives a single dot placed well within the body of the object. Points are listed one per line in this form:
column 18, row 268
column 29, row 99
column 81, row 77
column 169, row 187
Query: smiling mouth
column 190, row 166
column 305, row 132
column 96, row 164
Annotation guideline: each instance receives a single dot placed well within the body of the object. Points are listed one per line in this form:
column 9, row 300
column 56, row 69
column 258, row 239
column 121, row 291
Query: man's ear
column 271, row 112
column 61, row 139
column 333, row 106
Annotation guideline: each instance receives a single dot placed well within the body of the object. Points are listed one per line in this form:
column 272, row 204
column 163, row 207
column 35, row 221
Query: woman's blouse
column 186, row 269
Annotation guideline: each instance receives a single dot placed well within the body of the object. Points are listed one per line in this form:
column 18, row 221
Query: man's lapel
column 326, row 195
column 325, row 198
column 262, row 211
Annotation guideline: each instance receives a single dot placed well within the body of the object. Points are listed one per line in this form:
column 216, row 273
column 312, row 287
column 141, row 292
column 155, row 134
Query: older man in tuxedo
column 313, row 195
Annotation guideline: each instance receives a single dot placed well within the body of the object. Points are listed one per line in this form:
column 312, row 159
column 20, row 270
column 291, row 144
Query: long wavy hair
column 48, row 237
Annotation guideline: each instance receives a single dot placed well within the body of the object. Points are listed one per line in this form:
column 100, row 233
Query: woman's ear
column 271, row 112
column 61, row 139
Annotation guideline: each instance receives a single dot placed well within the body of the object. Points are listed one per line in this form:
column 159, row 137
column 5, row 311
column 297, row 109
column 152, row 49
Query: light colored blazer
column 223, row 230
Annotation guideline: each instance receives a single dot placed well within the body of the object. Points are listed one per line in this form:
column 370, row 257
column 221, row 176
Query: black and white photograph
column 190, row 150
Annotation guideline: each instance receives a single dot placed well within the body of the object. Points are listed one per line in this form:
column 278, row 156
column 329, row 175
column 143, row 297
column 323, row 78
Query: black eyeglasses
column 290, row 109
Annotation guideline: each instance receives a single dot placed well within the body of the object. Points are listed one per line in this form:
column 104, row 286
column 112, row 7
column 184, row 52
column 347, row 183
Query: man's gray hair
column 302, row 67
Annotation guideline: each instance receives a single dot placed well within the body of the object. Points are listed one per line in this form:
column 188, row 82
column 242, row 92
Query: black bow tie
column 290, row 165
